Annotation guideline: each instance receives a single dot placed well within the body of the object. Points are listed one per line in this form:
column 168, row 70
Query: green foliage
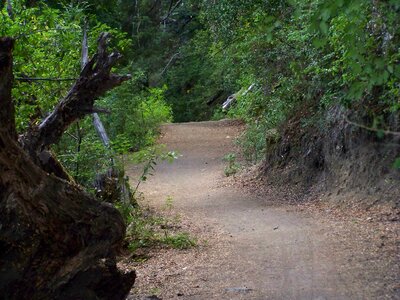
column 121, row 144
column 218, row 114
column 303, row 54
column 232, row 166
column 193, row 80
column 82, row 153
column 137, row 113
column 253, row 142
column 149, row 158
column 396, row 164
column 141, row 231
column 185, row 62
column 146, row 229
column 169, row 203
column 48, row 46
column 364, row 65
column 179, row 241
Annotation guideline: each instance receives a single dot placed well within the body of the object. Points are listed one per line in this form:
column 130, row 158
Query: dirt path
column 255, row 250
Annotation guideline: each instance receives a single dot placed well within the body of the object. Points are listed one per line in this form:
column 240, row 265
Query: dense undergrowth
column 307, row 55
column 187, row 57
column 304, row 60
column 148, row 228
column 47, row 60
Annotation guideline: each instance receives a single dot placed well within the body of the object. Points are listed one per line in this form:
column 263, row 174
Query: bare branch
column 85, row 48
column 169, row 62
column 171, row 10
column 29, row 79
column 386, row 132
column 170, row 5
column 98, row 125
column 71, row 135
column 95, row 79
column 101, row 130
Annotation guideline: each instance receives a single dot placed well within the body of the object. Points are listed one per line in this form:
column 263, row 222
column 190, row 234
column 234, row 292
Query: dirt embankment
column 252, row 244
column 350, row 165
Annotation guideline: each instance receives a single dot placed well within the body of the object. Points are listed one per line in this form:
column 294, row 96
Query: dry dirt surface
column 252, row 246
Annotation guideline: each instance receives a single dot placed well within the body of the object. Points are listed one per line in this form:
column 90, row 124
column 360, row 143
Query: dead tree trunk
column 98, row 125
column 56, row 241
column 111, row 186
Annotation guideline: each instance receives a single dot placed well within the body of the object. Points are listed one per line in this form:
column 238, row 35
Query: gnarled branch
column 95, row 79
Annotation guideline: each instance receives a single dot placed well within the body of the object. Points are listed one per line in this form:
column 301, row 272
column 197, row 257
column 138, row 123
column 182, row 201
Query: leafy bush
column 305, row 54
column 49, row 46
column 137, row 113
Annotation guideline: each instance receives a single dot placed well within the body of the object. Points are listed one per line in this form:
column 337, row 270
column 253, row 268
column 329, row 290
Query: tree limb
column 98, row 125
column 95, row 79
column 85, row 48
column 386, row 132
column 171, row 10
column 169, row 63
column 29, row 79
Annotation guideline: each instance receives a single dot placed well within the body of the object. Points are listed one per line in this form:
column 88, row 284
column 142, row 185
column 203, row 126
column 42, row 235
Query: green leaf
column 396, row 163
column 319, row 43
column 380, row 133
column 324, row 27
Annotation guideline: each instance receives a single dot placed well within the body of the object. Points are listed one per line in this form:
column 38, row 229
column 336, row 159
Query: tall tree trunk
column 56, row 240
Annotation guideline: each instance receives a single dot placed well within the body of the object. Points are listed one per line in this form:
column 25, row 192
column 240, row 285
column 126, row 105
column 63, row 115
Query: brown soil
column 251, row 245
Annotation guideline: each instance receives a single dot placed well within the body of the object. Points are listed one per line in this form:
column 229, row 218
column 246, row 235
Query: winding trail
column 267, row 251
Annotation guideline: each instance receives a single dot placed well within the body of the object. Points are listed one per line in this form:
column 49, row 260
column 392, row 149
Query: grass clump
column 232, row 166
column 148, row 229
column 179, row 241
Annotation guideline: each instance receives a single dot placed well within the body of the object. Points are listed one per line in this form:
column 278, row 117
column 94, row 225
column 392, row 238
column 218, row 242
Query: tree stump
column 56, row 240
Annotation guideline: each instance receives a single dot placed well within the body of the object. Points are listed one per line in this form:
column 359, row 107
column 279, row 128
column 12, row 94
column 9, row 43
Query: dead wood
column 56, row 240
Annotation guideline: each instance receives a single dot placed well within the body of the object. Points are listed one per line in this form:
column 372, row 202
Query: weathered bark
column 56, row 241
column 101, row 131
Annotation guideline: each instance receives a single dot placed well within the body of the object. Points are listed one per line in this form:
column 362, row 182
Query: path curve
column 271, row 252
